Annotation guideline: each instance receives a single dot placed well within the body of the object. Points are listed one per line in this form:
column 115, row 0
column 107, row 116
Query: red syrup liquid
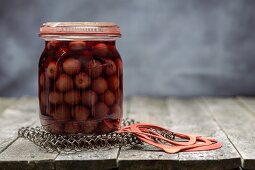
column 80, row 87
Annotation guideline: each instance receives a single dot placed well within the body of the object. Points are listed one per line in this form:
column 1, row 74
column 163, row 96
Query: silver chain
column 75, row 143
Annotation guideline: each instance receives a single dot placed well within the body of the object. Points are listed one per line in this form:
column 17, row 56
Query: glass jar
column 80, row 78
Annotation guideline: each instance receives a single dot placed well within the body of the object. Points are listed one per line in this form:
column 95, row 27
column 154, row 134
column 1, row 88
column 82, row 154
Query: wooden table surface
column 230, row 120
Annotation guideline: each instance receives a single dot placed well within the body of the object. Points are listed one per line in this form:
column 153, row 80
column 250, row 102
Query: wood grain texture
column 220, row 118
column 239, row 124
column 6, row 102
column 248, row 103
column 23, row 154
column 21, row 113
column 147, row 110
column 98, row 159
column 192, row 116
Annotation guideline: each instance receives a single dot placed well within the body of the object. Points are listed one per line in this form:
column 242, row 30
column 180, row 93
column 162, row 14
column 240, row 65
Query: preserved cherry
column 62, row 112
column 89, row 98
column 52, row 70
column 80, row 79
column 72, row 66
column 64, row 83
column 81, row 113
column 77, row 45
column 100, row 50
column 113, row 82
column 94, row 68
column 108, row 98
column 101, row 110
column 99, row 85
column 55, row 97
column 110, row 67
column 72, row 97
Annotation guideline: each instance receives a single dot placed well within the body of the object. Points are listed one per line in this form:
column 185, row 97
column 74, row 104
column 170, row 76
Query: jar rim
column 80, row 29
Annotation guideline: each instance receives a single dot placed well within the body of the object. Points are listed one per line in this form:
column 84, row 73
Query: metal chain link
column 75, row 143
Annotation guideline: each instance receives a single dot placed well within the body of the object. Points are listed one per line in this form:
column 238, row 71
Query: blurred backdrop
column 169, row 47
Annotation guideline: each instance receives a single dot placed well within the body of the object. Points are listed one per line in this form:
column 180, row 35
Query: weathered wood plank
column 248, row 103
column 147, row 110
column 98, row 159
column 6, row 102
column 191, row 116
column 239, row 124
column 21, row 154
column 21, row 113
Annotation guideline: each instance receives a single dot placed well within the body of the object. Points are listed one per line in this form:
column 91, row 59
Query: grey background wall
column 169, row 47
